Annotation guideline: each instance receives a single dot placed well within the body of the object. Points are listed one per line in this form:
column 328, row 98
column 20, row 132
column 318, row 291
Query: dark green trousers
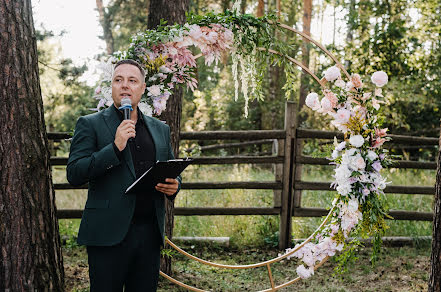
column 132, row 264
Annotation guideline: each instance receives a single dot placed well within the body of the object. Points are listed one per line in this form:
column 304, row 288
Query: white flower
column 107, row 69
column 353, row 205
column 372, row 155
column 340, row 83
column 344, row 189
column 342, row 173
column 154, row 90
column 335, row 154
column 164, row 69
column 378, row 92
column 376, row 103
column 304, row 272
column 349, row 86
column 379, row 78
column 359, row 162
column 356, row 141
column 326, row 105
column 342, row 116
column 332, row 73
column 366, row 191
column 312, row 101
column 145, row 108
column 341, row 146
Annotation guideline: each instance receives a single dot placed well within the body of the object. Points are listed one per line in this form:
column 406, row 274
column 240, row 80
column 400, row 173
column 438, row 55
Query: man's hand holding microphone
column 125, row 131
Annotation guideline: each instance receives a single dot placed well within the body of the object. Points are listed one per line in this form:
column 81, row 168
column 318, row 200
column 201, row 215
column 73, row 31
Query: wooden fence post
column 287, row 180
column 278, row 150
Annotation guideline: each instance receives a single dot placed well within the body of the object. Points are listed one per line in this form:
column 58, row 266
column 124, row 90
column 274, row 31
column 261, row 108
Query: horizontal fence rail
column 260, row 137
column 297, row 212
column 399, row 139
column 273, row 134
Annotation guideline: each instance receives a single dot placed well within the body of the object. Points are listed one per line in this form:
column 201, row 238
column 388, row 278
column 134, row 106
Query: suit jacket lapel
column 155, row 134
column 112, row 120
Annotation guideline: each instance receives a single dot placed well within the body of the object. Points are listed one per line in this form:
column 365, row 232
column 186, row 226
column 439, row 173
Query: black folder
column 158, row 173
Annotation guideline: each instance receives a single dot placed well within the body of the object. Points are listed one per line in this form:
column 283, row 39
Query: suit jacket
column 108, row 211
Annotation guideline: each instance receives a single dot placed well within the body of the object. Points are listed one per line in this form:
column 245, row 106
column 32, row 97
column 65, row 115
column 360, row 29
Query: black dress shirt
column 142, row 149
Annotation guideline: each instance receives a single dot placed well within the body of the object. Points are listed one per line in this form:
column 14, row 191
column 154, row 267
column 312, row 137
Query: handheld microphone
column 126, row 107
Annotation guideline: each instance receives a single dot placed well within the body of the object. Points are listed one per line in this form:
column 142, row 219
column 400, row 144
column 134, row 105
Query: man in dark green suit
column 122, row 232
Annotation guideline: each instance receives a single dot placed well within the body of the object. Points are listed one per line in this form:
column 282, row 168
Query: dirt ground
column 398, row 269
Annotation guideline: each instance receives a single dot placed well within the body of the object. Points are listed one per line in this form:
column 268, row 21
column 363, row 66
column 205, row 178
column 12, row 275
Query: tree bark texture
column 260, row 8
column 107, row 31
column 435, row 258
column 172, row 12
column 30, row 257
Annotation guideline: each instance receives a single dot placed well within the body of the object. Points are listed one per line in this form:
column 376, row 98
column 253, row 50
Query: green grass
column 253, row 238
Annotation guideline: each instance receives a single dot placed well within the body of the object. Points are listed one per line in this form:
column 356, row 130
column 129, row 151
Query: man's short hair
column 131, row 62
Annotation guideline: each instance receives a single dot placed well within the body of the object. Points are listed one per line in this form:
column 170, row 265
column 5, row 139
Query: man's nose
column 125, row 83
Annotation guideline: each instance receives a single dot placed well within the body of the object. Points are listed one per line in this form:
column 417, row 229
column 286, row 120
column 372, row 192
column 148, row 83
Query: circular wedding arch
column 322, row 83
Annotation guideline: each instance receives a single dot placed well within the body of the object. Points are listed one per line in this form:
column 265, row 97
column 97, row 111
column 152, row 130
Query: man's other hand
column 124, row 131
column 170, row 188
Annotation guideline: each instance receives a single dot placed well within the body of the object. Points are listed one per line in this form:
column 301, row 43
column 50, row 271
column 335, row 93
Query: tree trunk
column 307, row 11
column 350, row 33
column 107, row 32
column 260, row 8
column 304, row 87
column 172, row 12
column 30, row 258
column 435, row 258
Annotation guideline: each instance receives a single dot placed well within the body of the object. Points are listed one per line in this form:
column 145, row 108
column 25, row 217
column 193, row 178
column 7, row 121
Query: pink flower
column 342, row 116
column 379, row 78
column 332, row 98
column 356, row 81
column 380, row 132
column 378, row 142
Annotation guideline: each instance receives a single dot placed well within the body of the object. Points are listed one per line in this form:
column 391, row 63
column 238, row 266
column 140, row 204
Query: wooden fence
column 287, row 185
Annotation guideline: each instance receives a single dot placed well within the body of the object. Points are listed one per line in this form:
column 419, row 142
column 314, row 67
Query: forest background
column 399, row 37
column 402, row 38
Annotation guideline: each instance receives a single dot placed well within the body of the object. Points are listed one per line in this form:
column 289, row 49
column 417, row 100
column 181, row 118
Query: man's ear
column 144, row 87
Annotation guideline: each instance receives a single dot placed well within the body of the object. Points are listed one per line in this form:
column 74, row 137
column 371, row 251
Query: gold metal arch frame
column 322, row 83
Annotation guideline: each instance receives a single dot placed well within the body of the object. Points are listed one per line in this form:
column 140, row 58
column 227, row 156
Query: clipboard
column 158, row 173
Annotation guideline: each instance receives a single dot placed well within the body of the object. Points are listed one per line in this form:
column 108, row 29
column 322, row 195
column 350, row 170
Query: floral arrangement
column 359, row 208
column 168, row 57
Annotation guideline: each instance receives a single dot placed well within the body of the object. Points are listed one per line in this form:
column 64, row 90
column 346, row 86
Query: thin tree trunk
column 107, row 32
column 350, row 34
column 172, row 12
column 260, row 8
column 304, row 87
column 30, row 257
column 307, row 11
column 435, row 258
